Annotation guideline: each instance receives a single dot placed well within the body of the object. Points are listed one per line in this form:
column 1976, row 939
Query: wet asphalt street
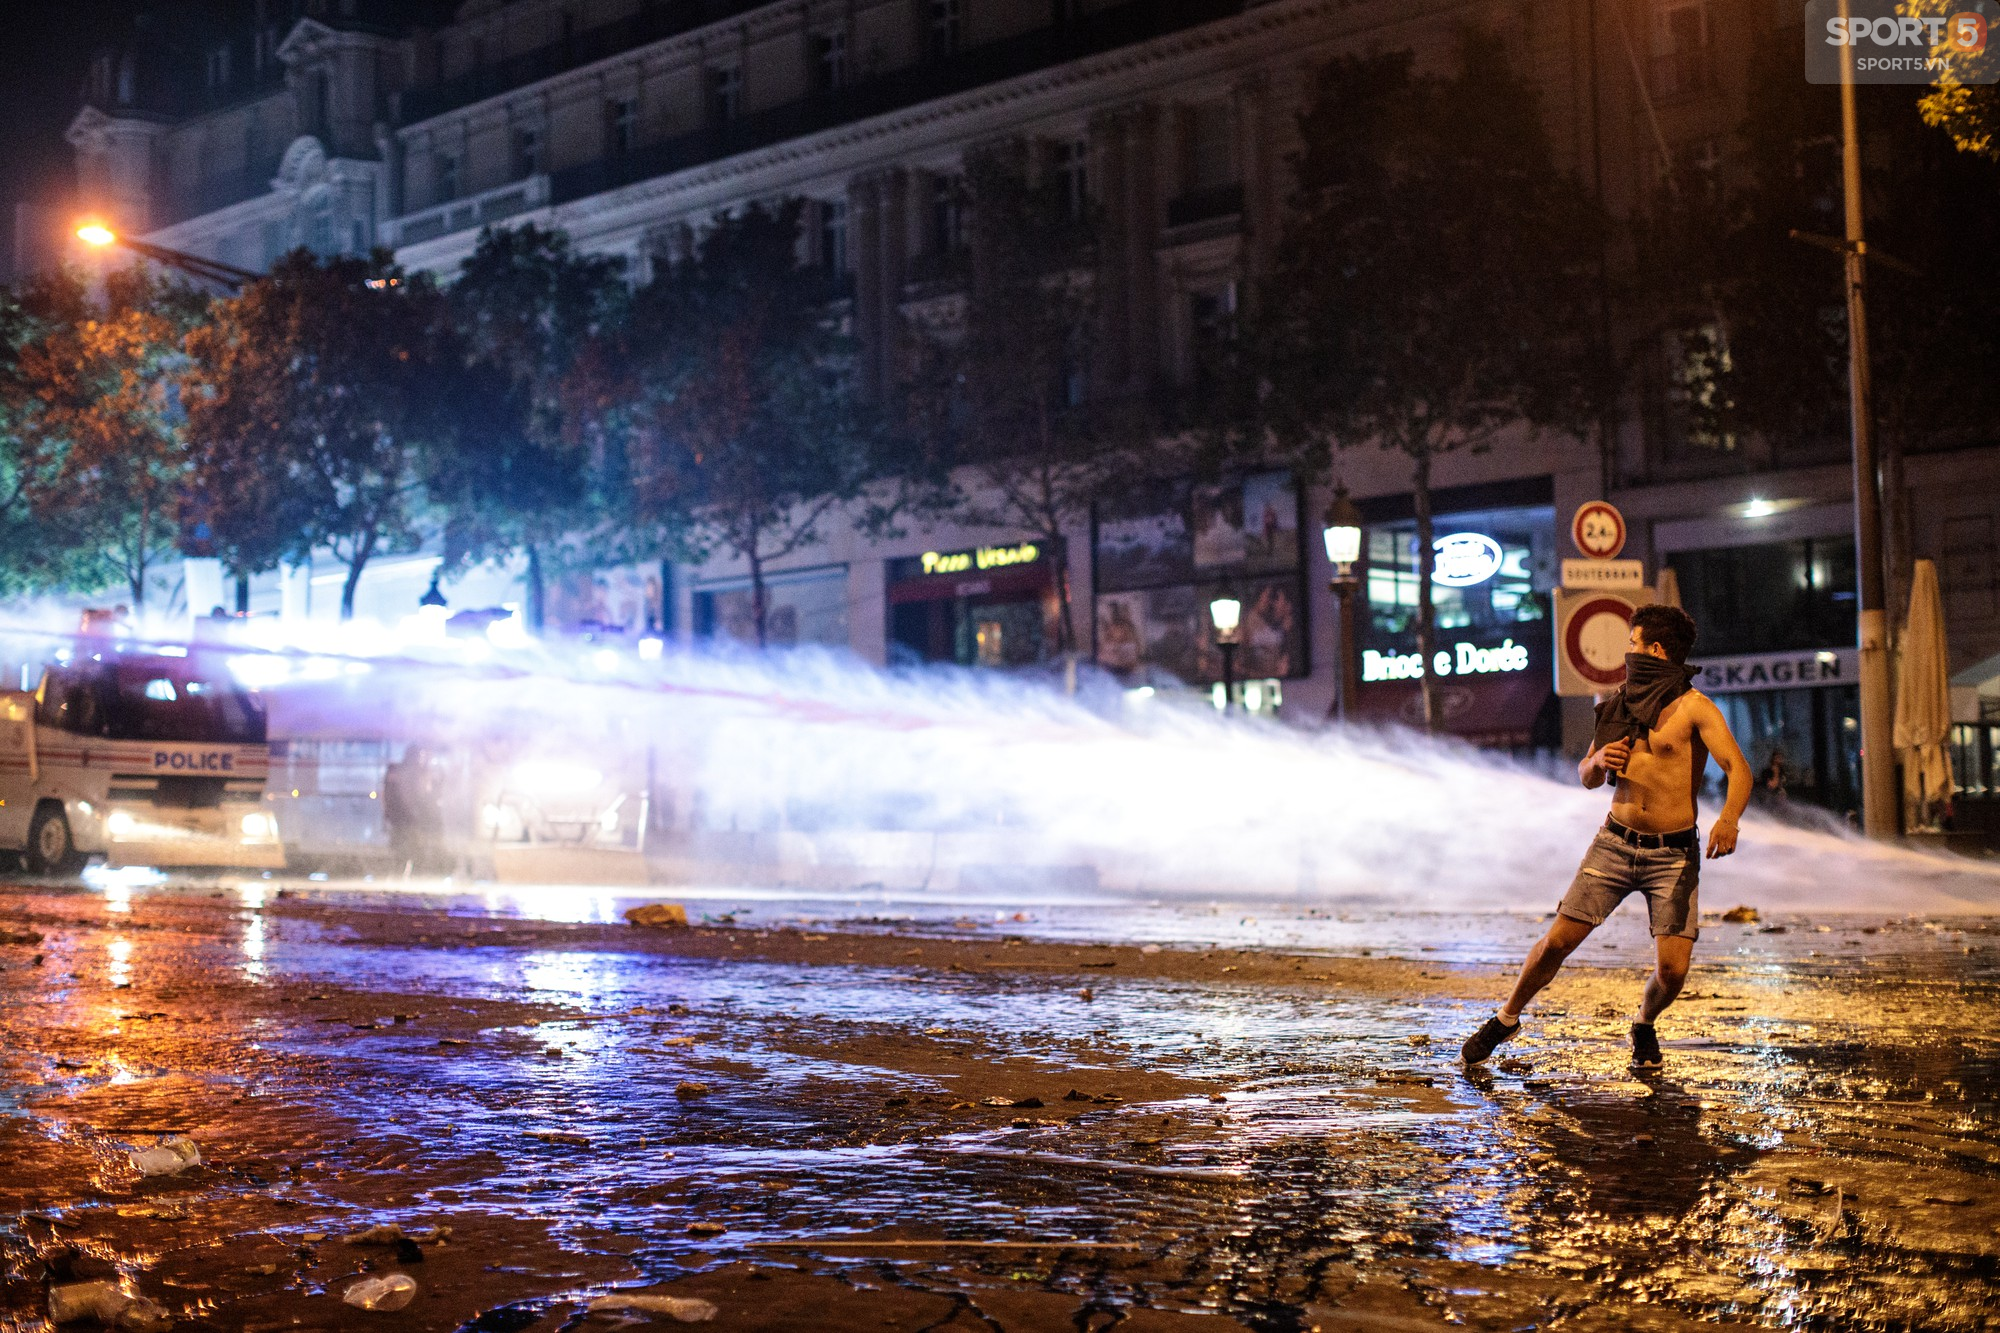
column 971, row 1124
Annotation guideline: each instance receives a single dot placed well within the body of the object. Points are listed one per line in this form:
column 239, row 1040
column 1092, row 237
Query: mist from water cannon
column 816, row 751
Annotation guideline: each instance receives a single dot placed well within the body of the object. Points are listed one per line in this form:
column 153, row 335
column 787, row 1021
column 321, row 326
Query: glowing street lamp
column 1343, row 549
column 208, row 270
column 1225, row 613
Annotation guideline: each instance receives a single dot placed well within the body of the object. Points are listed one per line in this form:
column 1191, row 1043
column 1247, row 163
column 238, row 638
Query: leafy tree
column 1779, row 368
column 37, row 554
column 313, row 398
column 744, row 433
column 528, row 306
column 1432, row 287
column 1965, row 100
column 1003, row 425
column 93, row 405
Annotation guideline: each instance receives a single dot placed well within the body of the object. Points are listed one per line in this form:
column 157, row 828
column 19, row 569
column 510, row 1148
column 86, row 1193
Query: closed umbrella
column 1667, row 587
column 1923, row 702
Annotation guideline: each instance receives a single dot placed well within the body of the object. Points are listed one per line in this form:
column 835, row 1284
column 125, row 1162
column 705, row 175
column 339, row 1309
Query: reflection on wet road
column 792, row 1122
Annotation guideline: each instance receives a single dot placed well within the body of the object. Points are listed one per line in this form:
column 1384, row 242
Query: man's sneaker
column 1481, row 1043
column 1645, row 1047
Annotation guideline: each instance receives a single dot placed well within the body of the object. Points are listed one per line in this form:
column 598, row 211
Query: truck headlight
column 120, row 824
column 259, row 825
column 553, row 778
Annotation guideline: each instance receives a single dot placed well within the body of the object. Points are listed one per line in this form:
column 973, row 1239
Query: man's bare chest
column 1673, row 742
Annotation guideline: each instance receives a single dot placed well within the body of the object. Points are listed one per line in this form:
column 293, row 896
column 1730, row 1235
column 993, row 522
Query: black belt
column 1687, row 839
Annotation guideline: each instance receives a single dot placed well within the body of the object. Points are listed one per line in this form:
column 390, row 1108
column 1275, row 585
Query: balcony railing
column 653, row 23
column 1205, row 205
column 181, row 201
column 1108, row 30
column 479, row 210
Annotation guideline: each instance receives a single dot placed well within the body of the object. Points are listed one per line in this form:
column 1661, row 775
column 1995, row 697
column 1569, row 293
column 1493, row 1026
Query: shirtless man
column 1655, row 737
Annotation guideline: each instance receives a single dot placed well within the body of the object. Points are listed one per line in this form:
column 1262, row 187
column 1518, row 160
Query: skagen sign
column 984, row 557
column 1780, row 671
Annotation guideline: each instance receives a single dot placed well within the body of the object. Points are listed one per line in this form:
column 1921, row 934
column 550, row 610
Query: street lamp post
column 1225, row 612
column 226, row 276
column 208, row 270
column 1343, row 549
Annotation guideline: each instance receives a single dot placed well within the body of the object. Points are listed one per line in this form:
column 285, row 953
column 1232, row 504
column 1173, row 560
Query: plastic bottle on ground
column 169, row 1157
column 391, row 1291
column 107, row 1305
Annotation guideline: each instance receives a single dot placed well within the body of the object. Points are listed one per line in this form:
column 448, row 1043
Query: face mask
column 1651, row 683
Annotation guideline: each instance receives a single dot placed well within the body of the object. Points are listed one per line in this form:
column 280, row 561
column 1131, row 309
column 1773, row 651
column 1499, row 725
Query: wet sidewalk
column 957, row 1123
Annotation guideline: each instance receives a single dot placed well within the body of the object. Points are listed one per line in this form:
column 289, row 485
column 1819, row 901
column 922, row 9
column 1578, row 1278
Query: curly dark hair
column 1666, row 627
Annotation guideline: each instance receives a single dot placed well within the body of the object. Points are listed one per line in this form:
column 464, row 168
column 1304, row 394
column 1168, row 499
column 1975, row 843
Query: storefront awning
column 1493, row 710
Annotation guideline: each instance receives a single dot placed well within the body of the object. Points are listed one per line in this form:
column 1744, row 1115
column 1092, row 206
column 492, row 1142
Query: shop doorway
column 991, row 606
column 969, row 631
column 1804, row 746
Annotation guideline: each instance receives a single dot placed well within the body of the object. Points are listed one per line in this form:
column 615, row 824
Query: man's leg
column 1544, row 961
column 1670, row 973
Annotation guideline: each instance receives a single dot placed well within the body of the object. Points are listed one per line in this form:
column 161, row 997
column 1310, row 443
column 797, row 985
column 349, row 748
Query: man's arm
column 1599, row 766
column 1715, row 734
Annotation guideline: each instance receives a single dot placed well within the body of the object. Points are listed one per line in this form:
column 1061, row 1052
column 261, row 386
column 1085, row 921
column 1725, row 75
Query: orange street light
column 209, row 270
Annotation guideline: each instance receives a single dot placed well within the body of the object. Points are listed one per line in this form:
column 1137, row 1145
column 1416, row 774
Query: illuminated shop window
column 1496, row 569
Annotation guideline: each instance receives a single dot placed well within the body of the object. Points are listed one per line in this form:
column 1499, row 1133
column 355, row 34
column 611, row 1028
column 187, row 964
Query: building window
column 1681, row 64
column 833, row 236
column 1699, row 391
column 725, row 93
column 319, row 231
column 621, row 123
column 1074, row 369
column 830, row 61
column 445, row 171
column 1770, row 598
column 318, row 109
column 1208, row 147
column 1513, row 600
column 1211, row 325
column 946, row 22
column 947, row 217
column 1072, row 167
column 527, row 151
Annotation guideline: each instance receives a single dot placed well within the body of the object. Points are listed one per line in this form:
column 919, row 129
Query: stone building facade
column 342, row 126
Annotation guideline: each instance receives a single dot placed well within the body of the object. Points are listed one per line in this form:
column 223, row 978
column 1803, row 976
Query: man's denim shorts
column 1670, row 877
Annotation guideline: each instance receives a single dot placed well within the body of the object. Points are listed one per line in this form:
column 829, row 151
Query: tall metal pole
column 1345, row 591
column 1878, row 757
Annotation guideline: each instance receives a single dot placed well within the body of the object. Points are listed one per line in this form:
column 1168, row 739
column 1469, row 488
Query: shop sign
column 1463, row 559
column 984, row 557
column 1780, row 671
column 1463, row 659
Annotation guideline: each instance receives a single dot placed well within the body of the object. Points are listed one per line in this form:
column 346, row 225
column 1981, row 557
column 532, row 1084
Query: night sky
column 48, row 50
